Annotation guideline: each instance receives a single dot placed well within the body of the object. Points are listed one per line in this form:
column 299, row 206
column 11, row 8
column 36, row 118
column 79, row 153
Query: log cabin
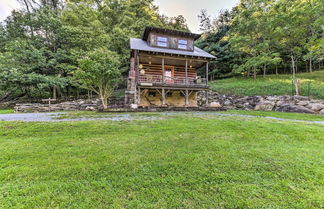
column 163, row 69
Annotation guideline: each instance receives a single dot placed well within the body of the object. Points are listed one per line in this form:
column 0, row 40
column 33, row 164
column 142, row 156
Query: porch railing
column 158, row 79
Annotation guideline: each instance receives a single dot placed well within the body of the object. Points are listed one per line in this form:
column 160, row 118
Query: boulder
column 294, row 108
column 321, row 112
column 302, row 103
column 215, row 104
column 265, row 106
column 134, row 106
column 315, row 106
column 227, row 102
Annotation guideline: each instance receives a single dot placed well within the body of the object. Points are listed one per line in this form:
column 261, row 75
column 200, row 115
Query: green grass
column 293, row 116
column 179, row 162
column 6, row 111
column 271, row 85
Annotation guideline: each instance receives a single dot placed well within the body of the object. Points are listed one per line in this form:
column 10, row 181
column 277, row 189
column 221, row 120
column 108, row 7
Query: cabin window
column 162, row 41
column 182, row 44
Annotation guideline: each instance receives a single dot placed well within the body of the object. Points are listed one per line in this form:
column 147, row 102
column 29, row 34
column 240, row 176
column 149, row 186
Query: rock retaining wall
column 91, row 105
column 298, row 104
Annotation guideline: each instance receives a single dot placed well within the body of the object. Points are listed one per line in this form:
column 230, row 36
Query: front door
column 169, row 74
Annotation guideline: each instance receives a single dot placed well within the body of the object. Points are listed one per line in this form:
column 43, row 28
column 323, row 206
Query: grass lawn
column 183, row 161
column 6, row 111
column 271, row 85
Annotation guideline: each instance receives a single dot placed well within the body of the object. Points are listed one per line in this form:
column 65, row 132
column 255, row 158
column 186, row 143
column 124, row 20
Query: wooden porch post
column 163, row 96
column 163, row 71
column 139, row 96
column 187, row 97
column 186, row 72
column 206, row 73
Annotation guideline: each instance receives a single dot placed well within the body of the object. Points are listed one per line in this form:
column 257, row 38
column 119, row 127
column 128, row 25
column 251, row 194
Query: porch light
column 142, row 72
column 140, row 66
column 190, row 66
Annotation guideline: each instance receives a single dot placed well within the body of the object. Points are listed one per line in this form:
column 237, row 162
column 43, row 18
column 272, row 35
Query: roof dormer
column 172, row 39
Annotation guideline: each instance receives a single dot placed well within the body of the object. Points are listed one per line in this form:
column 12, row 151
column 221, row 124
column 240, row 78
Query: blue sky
column 188, row 8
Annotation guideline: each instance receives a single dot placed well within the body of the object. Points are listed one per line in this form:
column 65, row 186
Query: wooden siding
column 172, row 41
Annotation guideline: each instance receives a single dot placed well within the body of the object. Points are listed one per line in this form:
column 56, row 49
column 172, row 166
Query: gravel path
column 53, row 117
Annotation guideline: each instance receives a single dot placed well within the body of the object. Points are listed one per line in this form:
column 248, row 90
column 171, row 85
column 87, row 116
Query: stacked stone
column 298, row 104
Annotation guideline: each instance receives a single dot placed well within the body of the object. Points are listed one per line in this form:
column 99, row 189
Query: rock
column 227, row 102
column 321, row 112
column 315, row 106
column 293, row 108
column 215, row 104
column 265, row 106
column 301, row 98
column 91, row 108
column 134, row 106
column 272, row 98
column 302, row 103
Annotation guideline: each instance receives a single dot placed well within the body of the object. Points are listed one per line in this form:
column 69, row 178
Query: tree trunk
column 248, row 73
column 276, row 69
column 54, row 92
column 264, row 70
column 294, row 75
column 254, row 73
column 104, row 101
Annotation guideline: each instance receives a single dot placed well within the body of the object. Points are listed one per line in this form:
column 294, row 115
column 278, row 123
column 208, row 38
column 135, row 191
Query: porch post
column 163, row 96
column 163, row 71
column 187, row 97
column 207, row 73
column 136, row 65
column 186, row 72
column 139, row 96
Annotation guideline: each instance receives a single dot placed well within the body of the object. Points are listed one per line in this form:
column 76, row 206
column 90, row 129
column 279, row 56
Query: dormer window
column 162, row 41
column 182, row 44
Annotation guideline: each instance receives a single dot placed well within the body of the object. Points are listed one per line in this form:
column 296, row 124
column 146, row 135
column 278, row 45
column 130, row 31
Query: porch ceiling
column 169, row 61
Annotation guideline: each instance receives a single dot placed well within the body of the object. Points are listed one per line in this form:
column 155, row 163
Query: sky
column 191, row 8
column 188, row 8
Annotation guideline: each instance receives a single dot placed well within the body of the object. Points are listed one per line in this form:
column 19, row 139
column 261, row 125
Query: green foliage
column 311, row 83
column 55, row 34
column 99, row 72
column 186, row 161
column 266, row 35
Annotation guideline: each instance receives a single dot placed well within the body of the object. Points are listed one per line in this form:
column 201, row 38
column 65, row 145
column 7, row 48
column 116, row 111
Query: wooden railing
column 158, row 79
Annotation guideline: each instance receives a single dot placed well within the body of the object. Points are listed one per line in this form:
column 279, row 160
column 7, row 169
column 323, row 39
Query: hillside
column 312, row 85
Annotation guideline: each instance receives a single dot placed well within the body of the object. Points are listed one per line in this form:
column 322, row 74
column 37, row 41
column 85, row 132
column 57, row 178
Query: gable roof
column 141, row 45
column 169, row 32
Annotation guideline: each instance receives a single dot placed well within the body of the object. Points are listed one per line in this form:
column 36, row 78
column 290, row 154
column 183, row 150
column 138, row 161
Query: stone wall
column 91, row 105
column 298, row 104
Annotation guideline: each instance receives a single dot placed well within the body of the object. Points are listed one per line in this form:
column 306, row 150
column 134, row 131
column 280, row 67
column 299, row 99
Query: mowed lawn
column 312, row 84
column 183, row 161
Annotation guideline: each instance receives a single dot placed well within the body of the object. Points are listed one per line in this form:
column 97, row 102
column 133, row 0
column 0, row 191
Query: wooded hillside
column 41, row 44
column 265, row 36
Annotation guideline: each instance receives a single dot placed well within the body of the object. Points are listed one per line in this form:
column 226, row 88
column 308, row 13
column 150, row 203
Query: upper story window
column 162, row 41
column 182, row 44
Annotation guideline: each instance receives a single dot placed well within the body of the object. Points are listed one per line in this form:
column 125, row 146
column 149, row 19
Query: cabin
column 163, row 69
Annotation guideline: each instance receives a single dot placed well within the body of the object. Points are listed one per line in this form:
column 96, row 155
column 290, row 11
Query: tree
column 205, row 22
column 99, row 72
